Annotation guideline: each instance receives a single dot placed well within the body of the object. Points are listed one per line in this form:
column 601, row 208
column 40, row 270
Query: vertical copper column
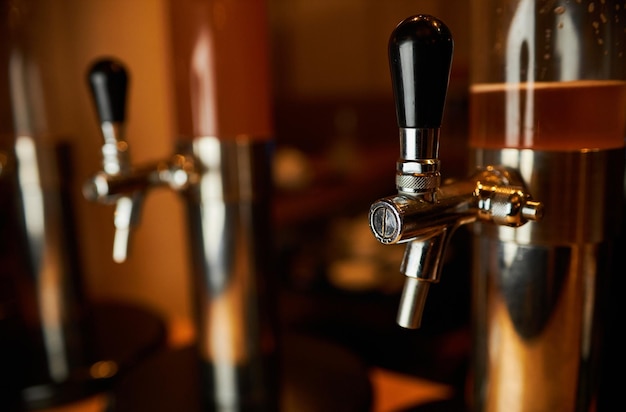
column 221, row 70
column 548, row 98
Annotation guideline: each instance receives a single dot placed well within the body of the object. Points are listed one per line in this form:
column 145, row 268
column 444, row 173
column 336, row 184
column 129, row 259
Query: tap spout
column 422, row 266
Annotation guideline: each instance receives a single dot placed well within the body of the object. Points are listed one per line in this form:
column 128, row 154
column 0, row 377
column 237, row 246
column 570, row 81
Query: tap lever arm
column 108, row 81
column 420, row 56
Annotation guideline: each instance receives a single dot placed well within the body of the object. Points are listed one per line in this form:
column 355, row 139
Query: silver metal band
column 417, row 183
column 417, row 170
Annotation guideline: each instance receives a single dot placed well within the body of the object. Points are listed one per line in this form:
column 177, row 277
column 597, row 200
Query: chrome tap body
column 493, row 194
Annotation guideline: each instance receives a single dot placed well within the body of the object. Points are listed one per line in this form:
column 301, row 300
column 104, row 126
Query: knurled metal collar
column 417, row 175
column 417, row 183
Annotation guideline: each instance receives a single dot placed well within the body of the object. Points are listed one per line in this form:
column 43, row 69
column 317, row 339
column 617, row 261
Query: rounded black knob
column 108, row 81
column 420, row 56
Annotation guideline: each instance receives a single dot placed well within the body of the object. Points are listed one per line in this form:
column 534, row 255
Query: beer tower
column 540, row 269
column 221, row 168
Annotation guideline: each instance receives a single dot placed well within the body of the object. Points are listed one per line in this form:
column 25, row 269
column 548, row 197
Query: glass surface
column 548, row 75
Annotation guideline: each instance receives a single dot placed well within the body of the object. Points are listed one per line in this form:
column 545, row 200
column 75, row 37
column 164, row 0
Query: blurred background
column 336, row 145
column 333, row 108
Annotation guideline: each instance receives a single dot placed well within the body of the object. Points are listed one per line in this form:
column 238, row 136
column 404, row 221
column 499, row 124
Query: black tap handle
column 108, row 82
column 420, row 56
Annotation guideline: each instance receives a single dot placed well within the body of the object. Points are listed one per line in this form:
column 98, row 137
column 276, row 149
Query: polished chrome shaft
column 229, row 232
column 539, row 290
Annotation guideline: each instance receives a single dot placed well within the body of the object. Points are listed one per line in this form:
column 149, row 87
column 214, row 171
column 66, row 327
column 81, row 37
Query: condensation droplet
column 603, row 18
column 591, row 7
column 546, row 56
column 559, row 10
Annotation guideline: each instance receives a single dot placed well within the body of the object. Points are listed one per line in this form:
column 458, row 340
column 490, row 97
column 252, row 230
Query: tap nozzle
column 422, row 267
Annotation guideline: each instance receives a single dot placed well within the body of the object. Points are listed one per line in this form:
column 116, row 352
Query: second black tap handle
column 108, row 82
column 420, row 56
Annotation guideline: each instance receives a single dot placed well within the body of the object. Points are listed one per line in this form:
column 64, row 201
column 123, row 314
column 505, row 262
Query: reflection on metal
column 4, row 162
column 228, row 223
column 39, row 268
column 42, row 309
column 538, row 292
column 226, row 193
column 44, row 257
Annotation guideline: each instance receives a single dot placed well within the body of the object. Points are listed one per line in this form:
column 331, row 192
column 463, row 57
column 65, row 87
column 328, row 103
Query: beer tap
column 224, row 185
column 119, row 182
column 109, row 86
column 425, row 213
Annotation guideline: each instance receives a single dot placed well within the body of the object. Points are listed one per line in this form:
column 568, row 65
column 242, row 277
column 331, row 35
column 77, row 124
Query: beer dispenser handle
column 420, row 57
column 108, row 81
